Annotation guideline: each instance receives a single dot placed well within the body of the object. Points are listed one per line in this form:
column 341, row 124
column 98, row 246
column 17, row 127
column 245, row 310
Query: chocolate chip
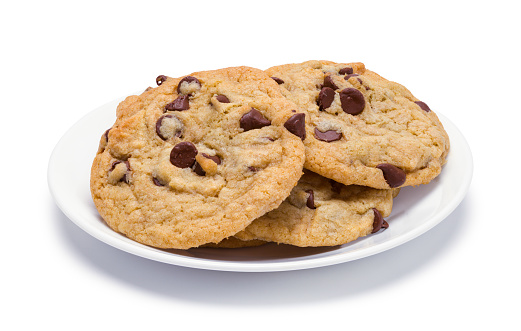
column 346, row 70
column 350, row 75
column 328, row 82
column 310, row 202
column 393, row 175
column 222, row 98
column 188, row 80
column 157, row 182
column 278, row 80
column 359, row 80
column 352, row 101
column 168, row 126
column 199, row 170
column 328, row 136
column 253, row 120
column 181, row 103
column 214, row 158
column 296, row 124
column 183, row 155
column 253, row 169
column 160, row 79
column 378, row 221
column 126, row 177
column 325, row 97
column 385, row 225
column 106, row 135
column 423, row 105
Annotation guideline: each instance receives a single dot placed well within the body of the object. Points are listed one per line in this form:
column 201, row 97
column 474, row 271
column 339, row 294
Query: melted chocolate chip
column 214, row 158
column 346, row 70
column 393, row 175
column 159, row 123
column 328, row 136
column 157, row 182
column 385, row 225
column 253, row 120
column 350, row 75
column 160, row 79
column 352, row 101
column 310, row 202
column 199, row 170
column 181, row 103
column 378, row 221
column 423, row 105
column 328, row 82
column 106, row 135
column 189, row 80
column 296, row 124
column 325, row 97
column 222, row 98
column 278, row 80
column 126, row 177
column 183, row 155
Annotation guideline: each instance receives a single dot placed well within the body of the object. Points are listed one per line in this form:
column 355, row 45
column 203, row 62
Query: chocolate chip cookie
column 322, row 212
column 198, row 158
column 361, row 128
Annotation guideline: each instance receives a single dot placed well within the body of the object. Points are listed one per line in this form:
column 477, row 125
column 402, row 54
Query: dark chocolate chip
column 345, row 71
column 198, row 169
column 181, row 103
column 183, row 155
column 187, row 79
column 352, row 101
column 346, row 77
column 393, row 175
column 328, row 82
column 158, row 125
column 423, row 105
column 157, row 182
column 106, row 135
column 328, row 136
column 325, row 97
column 296, row 124
column 253, row 169
column 378, row 221
column 359, row 80
column 385, row 225
column 253, row 120
column 278, row 80
column 214, row 158
column 310, row 202
column 126, row 178
column 222, row 98
column 160, row 79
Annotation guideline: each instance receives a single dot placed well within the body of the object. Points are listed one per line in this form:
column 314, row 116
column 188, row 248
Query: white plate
column 416, row 210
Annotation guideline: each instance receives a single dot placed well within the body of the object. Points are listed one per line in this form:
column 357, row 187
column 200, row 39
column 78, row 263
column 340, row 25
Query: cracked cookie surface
column 361, row 128
column 196, row 159
column 322, row 212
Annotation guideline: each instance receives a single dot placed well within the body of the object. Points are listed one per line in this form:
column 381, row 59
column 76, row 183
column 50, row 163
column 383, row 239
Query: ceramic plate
column 415, row 211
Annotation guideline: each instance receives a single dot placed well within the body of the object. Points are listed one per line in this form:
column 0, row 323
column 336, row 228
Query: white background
column 61, row 59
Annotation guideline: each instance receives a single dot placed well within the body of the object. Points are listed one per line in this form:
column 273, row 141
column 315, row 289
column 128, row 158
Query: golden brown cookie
column 198, row 158
column 361, row 128
column 322, row 212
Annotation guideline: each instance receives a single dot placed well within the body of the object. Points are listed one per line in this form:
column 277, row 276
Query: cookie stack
column 308, row 154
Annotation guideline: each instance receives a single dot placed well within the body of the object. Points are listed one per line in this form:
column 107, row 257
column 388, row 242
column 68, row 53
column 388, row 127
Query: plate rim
column 261, row 266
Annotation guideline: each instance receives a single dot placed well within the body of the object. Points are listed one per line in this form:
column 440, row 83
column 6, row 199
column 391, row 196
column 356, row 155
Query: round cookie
column 322, row 212
column 200, row 157
column 361, row 128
